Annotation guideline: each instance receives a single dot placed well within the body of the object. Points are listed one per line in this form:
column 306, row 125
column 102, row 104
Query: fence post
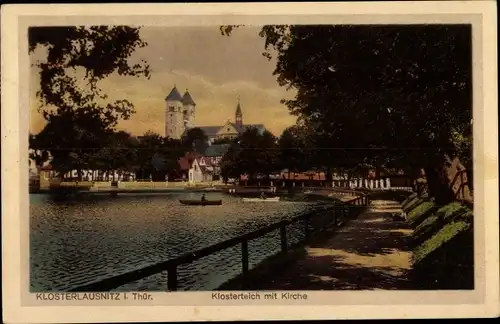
column 462, row 184
column 244, row 262
column 244, row 256
column 284, row 243
column 306, row 227
column 172, row 278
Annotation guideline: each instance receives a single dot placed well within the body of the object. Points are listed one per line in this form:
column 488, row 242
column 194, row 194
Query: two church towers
column 180, row 113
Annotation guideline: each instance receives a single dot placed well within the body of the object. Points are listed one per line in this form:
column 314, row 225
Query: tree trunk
column 437, row 180
column 328, row 175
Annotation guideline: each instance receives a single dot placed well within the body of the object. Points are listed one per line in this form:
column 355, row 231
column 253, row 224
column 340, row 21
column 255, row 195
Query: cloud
column 215, row 69
column 216, row 102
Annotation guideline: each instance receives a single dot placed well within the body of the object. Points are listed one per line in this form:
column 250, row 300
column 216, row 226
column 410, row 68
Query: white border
column 14, row 156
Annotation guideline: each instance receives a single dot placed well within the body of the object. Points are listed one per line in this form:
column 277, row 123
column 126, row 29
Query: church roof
column 211, row 131
column 187, row 99
column 174, row 95
column 238, row 109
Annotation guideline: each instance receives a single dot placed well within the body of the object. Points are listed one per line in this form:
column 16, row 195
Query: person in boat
column 262, row 195
column 203, row 199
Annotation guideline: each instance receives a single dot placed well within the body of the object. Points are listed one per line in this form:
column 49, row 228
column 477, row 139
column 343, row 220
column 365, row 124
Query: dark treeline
column 368, row 97
column 397, row 97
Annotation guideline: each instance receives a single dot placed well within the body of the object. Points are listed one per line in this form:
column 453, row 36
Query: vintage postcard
column 243, row 161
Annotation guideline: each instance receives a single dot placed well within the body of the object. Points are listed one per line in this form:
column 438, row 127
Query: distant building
column 230, row 130
column 201, row 170
column 214, row 153
column 180, row 114
column 211, row 159
column 186, row 163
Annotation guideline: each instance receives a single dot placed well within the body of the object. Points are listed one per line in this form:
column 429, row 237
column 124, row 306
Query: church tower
column 188, row 110
column 238, row 119
column 174, row 121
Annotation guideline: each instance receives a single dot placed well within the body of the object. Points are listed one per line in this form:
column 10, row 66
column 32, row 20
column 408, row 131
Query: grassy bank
column 443, row 244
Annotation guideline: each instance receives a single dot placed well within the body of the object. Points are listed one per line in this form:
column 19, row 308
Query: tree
column 75, row 109
column 383, row 95
column 253, row 154
column 149, row 148
column 195, row 138
column 173, row 149
column 221, row 141
column 72, row 140
column 293, row 150
column 119, row 153
column 229, row 164
column 158, row 156
column 39, row 155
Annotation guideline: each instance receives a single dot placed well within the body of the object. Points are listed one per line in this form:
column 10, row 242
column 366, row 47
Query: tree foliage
column 195, row 138
column 98, row 51
column 386, row 96
column 253, row 154
column 158, row 156
column 79, row 118
column 294, row 154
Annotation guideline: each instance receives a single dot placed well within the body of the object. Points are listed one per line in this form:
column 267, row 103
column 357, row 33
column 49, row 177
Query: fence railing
column 339, row 212
column 463, row 192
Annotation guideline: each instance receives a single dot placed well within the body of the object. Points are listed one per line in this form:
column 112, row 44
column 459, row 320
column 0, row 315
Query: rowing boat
column 201, row 203
column 273, row 199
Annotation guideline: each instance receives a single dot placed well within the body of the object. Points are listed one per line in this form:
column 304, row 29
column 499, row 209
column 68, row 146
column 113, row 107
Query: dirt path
column 368, row 253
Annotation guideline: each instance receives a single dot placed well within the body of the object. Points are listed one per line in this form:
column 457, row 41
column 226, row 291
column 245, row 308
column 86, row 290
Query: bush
column 427, row 226
column 446, row 260
column 418, row 214
column 443, row 257
column 411, row 203
column 448, row 232
column 443, row 215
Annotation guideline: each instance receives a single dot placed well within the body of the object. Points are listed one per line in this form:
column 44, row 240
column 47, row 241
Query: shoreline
column 320, row 197
column 130, row 188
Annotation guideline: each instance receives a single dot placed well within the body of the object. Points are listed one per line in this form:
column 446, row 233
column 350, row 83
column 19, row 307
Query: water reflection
column 80, row 241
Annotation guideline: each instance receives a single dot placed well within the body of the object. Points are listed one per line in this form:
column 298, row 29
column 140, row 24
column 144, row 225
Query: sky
column 215, row 69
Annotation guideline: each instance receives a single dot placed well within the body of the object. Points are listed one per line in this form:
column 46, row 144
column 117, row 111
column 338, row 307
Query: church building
column 230, row 129
column 179, row 113
column 180, row 116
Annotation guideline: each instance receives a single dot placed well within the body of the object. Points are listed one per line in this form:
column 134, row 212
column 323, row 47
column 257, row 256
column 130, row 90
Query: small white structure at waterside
column 201, row 170
column 47, row 173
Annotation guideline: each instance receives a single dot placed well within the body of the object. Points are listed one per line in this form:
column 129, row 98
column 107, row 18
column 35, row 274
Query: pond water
column 78, row 242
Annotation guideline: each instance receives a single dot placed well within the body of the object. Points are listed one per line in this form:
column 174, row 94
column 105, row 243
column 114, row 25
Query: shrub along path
column 370, row 252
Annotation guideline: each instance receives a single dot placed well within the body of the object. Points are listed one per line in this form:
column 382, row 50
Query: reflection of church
column 180, row 115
